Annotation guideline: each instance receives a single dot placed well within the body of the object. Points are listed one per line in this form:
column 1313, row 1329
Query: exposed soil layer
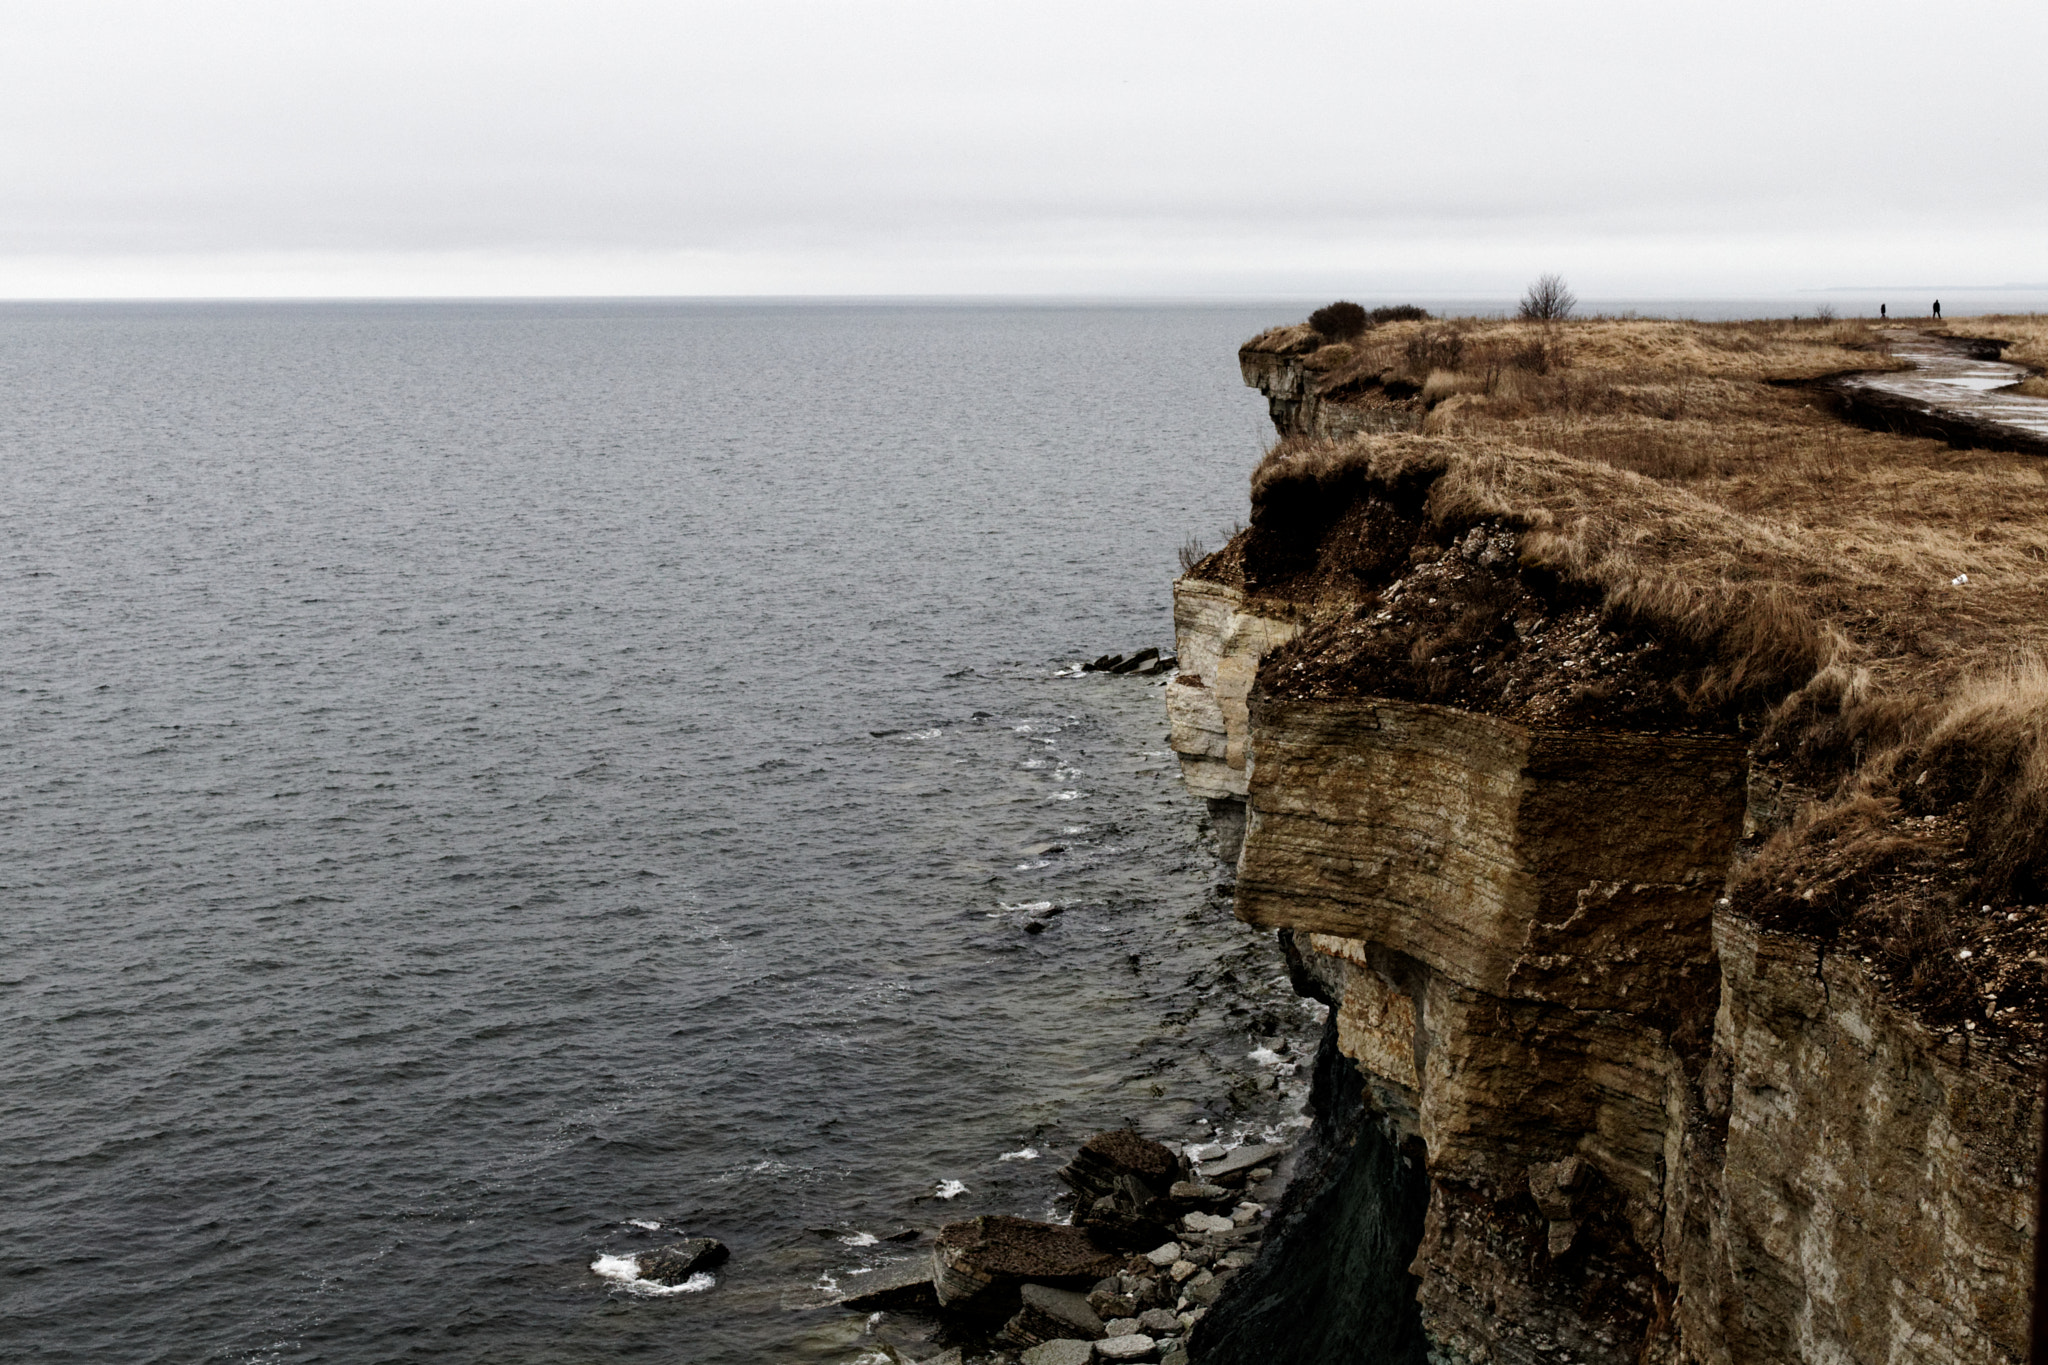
column 1894, row 888
column 1465, row 625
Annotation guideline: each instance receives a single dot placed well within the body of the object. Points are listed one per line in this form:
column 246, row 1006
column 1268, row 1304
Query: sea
column 487, row 789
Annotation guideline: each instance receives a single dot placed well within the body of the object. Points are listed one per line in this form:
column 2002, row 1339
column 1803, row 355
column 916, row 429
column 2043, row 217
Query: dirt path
column 1955, row 387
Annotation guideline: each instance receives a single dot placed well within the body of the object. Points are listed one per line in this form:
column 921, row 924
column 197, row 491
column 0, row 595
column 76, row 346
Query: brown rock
column 977, row 1266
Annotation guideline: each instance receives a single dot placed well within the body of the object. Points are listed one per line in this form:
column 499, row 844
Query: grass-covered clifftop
column 1683, row 532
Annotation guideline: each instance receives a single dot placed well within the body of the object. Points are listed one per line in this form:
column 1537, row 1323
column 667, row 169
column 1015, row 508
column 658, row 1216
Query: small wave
column 950, row 1189
column 1021, row 1154
column 1068, row 796
column 624, row 1271
column 648, row 1223
column 860, row 1239
column 1026, row 907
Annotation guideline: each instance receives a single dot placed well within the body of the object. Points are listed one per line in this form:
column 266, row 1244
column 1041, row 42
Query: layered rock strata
column 1646, row 1130
column 1300, row 375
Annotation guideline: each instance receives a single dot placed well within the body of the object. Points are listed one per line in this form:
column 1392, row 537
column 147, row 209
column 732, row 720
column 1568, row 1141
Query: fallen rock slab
column 1107, row 1157
column 978, row 1265
column 1049, row 1314
column 1137, row 1346
column 905, row 1291
column 1235, row 1166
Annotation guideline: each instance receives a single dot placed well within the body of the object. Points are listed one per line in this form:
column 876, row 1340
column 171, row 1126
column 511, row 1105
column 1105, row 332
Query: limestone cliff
column 1640, row 1126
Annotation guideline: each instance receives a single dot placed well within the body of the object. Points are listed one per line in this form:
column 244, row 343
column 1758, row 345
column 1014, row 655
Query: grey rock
column 1173, row 1353
column 1166, row 1255
column 1235, row 1167
column 1158, row 1321
column 1138, row 1346
column 1207, row 1222
column 1196, row 1192
column 1061, row 1353
column 1049, row 1314
column 1112, row 1303
column 1122, row 1327
column 678, row 1261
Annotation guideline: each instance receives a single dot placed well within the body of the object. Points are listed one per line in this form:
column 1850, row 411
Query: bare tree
column 1548, row 300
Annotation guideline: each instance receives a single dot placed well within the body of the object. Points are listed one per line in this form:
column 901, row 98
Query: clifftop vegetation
column 1870, row 608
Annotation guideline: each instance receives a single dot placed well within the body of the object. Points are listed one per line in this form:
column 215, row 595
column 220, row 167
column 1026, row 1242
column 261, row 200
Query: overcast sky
column 1644, row 149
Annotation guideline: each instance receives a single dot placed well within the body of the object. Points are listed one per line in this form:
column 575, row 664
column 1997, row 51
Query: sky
column 811, row 147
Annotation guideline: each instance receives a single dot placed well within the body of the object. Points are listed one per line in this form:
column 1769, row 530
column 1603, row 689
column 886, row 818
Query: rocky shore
column 1155, row 1237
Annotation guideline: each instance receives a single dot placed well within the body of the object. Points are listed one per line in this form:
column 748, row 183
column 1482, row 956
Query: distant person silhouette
column 1937, row 310
column 1880, row 312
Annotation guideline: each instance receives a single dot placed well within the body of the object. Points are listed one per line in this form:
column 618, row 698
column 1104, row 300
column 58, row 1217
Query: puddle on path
column 1945, row 377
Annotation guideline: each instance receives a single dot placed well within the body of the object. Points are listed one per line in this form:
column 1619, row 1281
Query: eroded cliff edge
column 1655, row 862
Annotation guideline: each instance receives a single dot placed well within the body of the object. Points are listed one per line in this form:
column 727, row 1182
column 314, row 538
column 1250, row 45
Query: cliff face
column 1651, row 1130
column 1637, row 1126
column 1306, row 390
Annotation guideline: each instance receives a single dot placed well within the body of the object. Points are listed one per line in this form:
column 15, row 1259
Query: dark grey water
column 476, row 775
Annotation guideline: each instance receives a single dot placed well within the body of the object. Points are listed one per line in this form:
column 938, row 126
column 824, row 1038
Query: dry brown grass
column 1671, row 468
column 2027, row 334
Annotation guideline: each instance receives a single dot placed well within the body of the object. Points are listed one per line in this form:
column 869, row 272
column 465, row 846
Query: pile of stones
column 1155, row 1239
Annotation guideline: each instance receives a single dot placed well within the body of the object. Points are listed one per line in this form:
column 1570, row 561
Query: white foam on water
column 1068, row 796
column 950, row 1189
column 1026, row 907
column 648, row 1223
column 859, row 1239
column 1021, row 1154
column 624, row 1271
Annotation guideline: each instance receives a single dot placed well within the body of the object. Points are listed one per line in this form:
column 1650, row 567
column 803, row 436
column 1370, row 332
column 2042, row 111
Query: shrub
column 1399, row 312
column 1435, row 348
column 1339, row 321
column 1548, row 300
